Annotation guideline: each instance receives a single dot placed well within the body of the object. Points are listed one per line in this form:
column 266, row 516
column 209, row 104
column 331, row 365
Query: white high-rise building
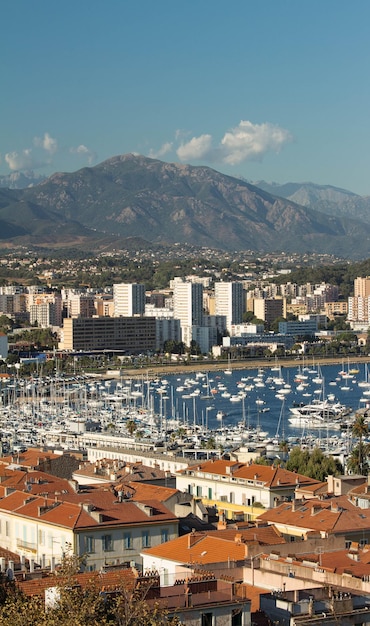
column 129, row 299
column 188, row 303
column 229, row 302
column 188, row 307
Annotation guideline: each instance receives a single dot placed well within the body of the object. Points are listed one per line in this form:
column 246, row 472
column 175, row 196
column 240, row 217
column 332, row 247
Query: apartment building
column 129, row 299
column 126, row 334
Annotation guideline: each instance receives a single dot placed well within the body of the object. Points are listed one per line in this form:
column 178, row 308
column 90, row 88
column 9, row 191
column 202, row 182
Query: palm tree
column 360, row 429
column 131, row 427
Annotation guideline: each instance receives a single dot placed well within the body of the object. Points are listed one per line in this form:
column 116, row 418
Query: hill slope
column 324, row 198
column 134, row 196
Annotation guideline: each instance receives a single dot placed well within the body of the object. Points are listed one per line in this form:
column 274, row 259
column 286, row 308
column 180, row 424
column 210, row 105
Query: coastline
column 153, row 371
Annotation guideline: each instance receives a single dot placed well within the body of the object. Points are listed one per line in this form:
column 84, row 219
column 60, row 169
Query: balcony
column 27, row 545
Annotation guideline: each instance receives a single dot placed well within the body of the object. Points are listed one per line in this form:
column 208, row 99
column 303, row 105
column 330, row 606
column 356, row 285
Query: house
column 221, row 551
column 331, row 516
column 316, row 606
column 240, row 488
column 112, row 470
column 61, row 465
column 110, row 527
column 201, row 600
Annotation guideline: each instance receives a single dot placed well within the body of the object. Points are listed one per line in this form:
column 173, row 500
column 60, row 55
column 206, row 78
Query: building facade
column 229, row 302
column 129, row 299
column 127, row 334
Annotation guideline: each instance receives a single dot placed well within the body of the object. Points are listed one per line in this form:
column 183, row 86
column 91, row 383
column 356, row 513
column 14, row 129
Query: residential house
column 332, row 516
column 221, row 551
column 240, row 488
column 109, row 526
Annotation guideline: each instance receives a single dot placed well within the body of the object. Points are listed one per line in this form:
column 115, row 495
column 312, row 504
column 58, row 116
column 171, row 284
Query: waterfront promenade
column 153, row 370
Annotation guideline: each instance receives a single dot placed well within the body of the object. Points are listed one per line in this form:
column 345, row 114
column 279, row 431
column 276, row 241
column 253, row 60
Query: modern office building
column 129, row 299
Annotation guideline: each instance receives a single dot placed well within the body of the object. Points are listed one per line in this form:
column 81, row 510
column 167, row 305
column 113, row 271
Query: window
column 210, row 493
column 199, row 491
column 42, row 537
column 164, row 535
column 145, row 543
column 236, row 618
column 127, row 541
column 107, row 543
column 90, row 544
column 7, row 529
column 207, row 619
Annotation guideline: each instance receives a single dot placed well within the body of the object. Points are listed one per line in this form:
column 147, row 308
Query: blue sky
column 265, row 89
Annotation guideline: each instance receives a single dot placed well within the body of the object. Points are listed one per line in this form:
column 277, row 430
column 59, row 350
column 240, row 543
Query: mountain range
column 134, row 196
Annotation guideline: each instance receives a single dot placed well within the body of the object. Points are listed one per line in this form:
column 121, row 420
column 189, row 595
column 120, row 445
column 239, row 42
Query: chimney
column 192, row 538
column 293, row 506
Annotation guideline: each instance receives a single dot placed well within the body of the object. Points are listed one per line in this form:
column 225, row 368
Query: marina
column 216, row 411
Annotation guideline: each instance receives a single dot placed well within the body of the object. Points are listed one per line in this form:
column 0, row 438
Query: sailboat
column 228, row 371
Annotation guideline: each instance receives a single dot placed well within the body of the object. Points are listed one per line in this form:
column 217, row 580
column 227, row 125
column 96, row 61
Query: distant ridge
column 325, row 198
column 134, row 196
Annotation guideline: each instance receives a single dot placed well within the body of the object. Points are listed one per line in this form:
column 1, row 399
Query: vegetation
column 358, row 459
column 314, row 464
column 87, row 606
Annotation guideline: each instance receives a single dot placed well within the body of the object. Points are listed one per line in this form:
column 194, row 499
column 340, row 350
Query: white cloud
column 83, row 150
column 47, row 143
column 244, row 142
column 163, row 150
column 22, row 160
column 249, row 141
column 197, row 148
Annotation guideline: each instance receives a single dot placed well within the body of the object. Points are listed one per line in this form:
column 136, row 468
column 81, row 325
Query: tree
column 315, row 464
column 131, row 426
column 358, row 460
column 87, row 605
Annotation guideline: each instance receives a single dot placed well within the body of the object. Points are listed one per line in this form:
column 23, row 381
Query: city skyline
column 268, row 91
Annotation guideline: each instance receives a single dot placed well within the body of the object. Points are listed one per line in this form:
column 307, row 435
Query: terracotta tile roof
column 263, row 535
column 124, row 471
column 109, row 580
column 30, row 458
column 201, row 548
column 145, row 490
column 71, row 510
column 361, row 490
column 334, row 515
column 271, row 477
column 314, row 488
column 354, row 561
column 33, row 481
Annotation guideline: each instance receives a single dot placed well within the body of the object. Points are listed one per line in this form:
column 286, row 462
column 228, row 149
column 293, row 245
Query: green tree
column 314, row 464
column 85, row 606
column 131, row 426
column 360, row 430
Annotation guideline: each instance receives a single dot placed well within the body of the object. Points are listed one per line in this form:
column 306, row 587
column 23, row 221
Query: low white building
column 239, row 483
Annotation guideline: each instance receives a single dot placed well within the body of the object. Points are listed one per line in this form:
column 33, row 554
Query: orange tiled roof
column 335, row 515
column 30, row 458
column 263, row 535
column 270, row 476
column 108, row 580
column 69, row 511
column 145, row 490
column 200, row 548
